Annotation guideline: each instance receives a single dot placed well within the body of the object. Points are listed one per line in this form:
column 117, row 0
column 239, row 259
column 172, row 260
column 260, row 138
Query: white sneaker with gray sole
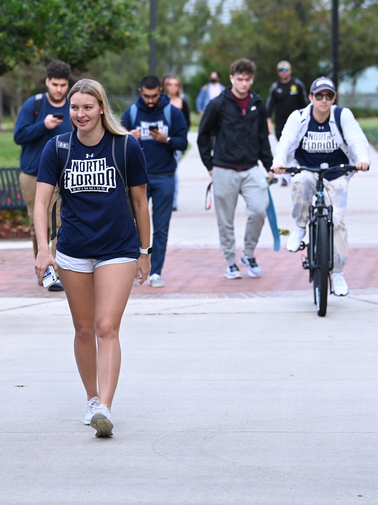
column 156, row 281
column 339, row 284
column 253, row 268
column 295, row 239
column 102, row 421
column 233, row 272
column 92, row 404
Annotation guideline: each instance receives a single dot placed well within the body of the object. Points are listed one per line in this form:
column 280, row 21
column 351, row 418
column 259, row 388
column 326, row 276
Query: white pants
column 302, row 192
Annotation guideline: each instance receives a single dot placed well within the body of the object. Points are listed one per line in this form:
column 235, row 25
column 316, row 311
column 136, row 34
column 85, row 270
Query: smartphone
column 49, row 277
column 153, row 128
column 58, row 116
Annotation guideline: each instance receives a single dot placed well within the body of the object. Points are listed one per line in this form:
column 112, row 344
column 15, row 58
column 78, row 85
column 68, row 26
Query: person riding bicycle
column 322, row 133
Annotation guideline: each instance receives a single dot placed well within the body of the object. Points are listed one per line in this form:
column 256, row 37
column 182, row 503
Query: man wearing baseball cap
column 322, row 133
column 285, row 95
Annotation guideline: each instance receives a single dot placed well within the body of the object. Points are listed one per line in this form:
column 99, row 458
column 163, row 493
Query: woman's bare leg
column 79, row 288
column 112, row 286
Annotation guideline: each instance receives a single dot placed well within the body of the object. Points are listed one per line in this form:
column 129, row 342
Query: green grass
column 9, row 151
column 369, row 123
column 372, row 136
column 370, row 128
column 7, row 123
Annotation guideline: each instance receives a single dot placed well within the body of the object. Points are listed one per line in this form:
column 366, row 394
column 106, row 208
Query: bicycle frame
column 320, row 209
column 319, row 259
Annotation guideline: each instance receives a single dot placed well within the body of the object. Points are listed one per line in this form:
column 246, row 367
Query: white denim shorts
column 85, row 265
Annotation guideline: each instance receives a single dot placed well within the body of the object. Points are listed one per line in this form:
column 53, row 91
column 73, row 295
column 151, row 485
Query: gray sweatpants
column 253, row 187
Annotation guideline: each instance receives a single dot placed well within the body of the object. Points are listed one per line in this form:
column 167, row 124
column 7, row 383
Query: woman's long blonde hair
column 179, row 89
column 94, row 88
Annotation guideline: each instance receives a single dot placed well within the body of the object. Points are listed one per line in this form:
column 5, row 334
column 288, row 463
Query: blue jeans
column 160, row 189
column 178, row 155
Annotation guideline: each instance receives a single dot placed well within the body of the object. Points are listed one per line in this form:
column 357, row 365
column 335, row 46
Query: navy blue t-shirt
column 319, row 146
column 96, row 221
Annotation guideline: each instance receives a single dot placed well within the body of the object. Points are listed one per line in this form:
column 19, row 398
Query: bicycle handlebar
column 344, row 168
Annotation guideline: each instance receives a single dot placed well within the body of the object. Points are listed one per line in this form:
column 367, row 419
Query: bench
column 10, row 192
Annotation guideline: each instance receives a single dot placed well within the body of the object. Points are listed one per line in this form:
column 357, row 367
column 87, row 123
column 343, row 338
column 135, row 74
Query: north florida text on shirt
column 89, row 175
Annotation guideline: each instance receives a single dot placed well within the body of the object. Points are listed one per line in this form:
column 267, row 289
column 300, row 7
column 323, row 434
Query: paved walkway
column 231, row 392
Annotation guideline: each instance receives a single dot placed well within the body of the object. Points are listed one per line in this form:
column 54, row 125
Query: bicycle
column 319, row 259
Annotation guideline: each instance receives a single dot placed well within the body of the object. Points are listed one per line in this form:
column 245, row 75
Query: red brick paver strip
column 199, row 272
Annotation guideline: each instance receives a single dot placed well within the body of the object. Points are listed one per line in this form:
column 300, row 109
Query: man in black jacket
column 238, row 118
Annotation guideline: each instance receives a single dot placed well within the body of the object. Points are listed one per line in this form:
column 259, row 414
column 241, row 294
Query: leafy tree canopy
column 69, row 30
column 358, row 37
column 180, row 31
column 295, row 30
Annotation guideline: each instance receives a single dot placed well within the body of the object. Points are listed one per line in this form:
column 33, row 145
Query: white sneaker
column 339, row 285
column 102, row 421
column 156, row 281
column 253, row 268
column 295, row 239
column 233, row 272
column 92, row 404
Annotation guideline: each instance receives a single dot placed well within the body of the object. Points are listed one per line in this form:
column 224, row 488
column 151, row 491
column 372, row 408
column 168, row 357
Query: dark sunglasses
column 329, row 96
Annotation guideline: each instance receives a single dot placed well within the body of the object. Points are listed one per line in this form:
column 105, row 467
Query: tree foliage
column 358, row 37
column 298, row 31
column 110, row 38
column 69, row 30
column 180, row 31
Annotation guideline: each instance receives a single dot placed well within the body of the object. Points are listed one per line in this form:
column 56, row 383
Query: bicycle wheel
column 321, row 266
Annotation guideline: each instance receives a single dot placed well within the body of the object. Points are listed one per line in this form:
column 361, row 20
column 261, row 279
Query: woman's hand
column 42, row 261
column 144, row 267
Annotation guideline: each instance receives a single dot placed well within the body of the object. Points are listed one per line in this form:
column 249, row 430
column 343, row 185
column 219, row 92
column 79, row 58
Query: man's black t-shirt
column 285, row 98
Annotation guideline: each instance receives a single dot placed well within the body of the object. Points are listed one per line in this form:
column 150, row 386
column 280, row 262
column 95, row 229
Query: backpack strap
column 168, row 114
column 221, row 111
column 63, row 149
column 337, row 113
column 38, row 102
column 119, row 152
column 133, row 113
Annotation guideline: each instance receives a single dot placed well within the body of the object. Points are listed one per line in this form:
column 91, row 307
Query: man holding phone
column 161, row 130
column 42, row 117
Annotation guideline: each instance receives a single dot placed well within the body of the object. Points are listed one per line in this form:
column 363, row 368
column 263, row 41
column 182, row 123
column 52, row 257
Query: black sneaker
column 233, row 272
column 253, row 268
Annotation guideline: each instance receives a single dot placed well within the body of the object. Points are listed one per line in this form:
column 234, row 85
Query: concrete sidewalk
column 230, row 392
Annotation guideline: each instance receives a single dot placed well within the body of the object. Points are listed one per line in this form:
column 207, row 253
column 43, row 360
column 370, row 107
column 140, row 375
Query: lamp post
column 153, row 24
column 335, row 42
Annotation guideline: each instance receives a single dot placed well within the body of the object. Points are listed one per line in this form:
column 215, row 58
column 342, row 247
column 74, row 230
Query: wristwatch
column 168, row 140
column 145, row 251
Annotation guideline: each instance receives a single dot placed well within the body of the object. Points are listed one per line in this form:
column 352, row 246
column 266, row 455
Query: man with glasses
column 161, row 130
column 322, row 133
column 285, row 96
